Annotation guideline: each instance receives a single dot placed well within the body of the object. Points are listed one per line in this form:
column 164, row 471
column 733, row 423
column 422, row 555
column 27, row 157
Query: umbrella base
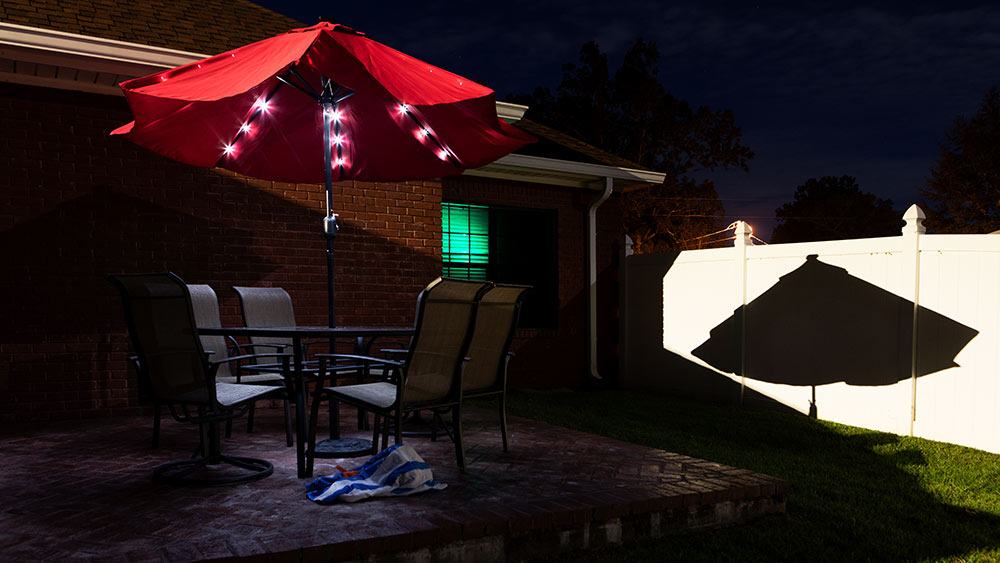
column 344, row 447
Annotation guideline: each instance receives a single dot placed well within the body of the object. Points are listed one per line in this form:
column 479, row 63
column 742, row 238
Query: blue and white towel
column 395, row 471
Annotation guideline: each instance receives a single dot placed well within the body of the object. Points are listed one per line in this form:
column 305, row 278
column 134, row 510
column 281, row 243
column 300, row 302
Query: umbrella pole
column 330, row 226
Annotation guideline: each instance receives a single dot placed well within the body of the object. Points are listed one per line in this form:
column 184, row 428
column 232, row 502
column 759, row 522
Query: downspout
column 592, row 277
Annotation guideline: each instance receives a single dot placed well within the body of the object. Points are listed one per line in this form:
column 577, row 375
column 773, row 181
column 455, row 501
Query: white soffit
column 56, row 59
column 565, row 173
column 510, row 112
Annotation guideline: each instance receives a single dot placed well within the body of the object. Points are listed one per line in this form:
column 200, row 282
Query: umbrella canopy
column 319, row 103
column 254, row 110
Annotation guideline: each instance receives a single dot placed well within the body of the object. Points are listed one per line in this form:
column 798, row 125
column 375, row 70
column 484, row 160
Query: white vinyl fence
column 897, row 334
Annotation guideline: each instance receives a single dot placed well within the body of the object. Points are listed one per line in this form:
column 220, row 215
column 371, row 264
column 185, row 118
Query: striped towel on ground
column 395, row 471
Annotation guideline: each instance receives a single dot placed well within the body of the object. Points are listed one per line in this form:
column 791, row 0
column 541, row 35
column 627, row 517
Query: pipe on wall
column 592, row 278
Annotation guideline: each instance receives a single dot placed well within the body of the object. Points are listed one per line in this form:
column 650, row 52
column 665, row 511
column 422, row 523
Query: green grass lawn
column 857, row 495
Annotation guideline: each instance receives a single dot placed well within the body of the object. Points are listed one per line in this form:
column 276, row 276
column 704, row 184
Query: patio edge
column 542, row 528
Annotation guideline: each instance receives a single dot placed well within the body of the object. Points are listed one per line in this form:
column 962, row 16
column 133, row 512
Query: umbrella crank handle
column 330, row 225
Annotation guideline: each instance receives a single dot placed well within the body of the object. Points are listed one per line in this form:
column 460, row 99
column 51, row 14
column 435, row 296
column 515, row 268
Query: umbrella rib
column 451, row 156
column 257, row 113
column 304, row 87
column 253, row 117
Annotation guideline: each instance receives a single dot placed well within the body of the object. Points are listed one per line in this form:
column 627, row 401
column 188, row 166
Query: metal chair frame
column 392, row 414
column 200, row 405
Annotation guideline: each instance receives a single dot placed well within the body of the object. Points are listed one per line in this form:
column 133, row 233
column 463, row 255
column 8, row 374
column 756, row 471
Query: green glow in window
column 465, row 240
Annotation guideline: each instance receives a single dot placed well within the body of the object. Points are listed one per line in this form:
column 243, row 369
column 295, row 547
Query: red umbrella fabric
column 248, row 110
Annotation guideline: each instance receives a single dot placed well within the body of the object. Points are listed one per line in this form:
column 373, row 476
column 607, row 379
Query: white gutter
column 564, row 172
column 583, row 168
column 510, row 112
column 609, row 185
column 48, row 46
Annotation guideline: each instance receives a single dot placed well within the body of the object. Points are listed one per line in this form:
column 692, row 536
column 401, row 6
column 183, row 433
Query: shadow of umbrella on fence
column 319, row 104
column 821, row 325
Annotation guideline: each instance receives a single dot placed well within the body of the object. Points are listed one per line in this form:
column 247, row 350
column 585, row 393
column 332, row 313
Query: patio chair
column 272, row 306
column 428, row 378
column 206, row 315
column 267, row 306
column 174, row 370
column 485, row 373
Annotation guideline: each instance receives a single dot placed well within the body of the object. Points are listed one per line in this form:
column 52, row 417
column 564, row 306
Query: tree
column 633, row 116
column 963, row 190
column 834, row 208
column 680, row 221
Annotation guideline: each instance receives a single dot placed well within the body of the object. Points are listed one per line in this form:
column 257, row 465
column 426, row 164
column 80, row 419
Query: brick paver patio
column 82, row 491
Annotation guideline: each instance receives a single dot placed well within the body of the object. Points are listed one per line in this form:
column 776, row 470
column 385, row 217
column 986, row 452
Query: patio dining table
column 364, row 337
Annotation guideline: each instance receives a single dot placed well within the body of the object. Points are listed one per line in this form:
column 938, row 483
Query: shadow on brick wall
column 63, row 333
column 58, row 260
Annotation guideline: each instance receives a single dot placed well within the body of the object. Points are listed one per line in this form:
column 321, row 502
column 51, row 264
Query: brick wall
column 76, row 204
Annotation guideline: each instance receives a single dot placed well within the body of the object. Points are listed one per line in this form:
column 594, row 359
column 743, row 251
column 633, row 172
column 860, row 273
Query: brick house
column 76, row 204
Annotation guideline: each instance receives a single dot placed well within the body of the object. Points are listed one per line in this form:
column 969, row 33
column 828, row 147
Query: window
column 465, row 251
column 505, row 245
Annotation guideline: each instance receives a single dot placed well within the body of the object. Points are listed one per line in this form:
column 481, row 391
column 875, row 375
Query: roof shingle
column 556, row 144
column 196, row 26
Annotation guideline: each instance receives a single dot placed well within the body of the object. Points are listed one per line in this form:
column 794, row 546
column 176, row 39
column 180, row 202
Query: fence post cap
column 914, row 218
column 743, row 232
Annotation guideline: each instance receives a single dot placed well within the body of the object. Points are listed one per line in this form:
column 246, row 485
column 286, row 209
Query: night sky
column 867, row 90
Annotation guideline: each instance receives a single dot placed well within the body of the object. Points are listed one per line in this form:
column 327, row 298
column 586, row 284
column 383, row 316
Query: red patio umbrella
column 321, row 103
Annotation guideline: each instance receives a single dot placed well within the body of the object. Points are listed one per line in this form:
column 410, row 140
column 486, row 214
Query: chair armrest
column 366, row 363
column 252, row 356
column 394, row 351
column 234, row 346
column 285, row 367
column 259, row 367
column 369, row 359
column 278, row 347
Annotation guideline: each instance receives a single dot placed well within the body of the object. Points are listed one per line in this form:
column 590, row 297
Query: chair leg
column 503, row 419
column 385, row 431
column 211, row 442
column 399, row 426
column 311, row 445
column 456, row 429
column 377, row 427
column 289, row 442
column 253, row 408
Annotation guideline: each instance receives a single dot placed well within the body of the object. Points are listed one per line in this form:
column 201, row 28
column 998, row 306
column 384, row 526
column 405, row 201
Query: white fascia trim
column 509, row 112
column 124, row 57
column 594, row 171
column 60, row 42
